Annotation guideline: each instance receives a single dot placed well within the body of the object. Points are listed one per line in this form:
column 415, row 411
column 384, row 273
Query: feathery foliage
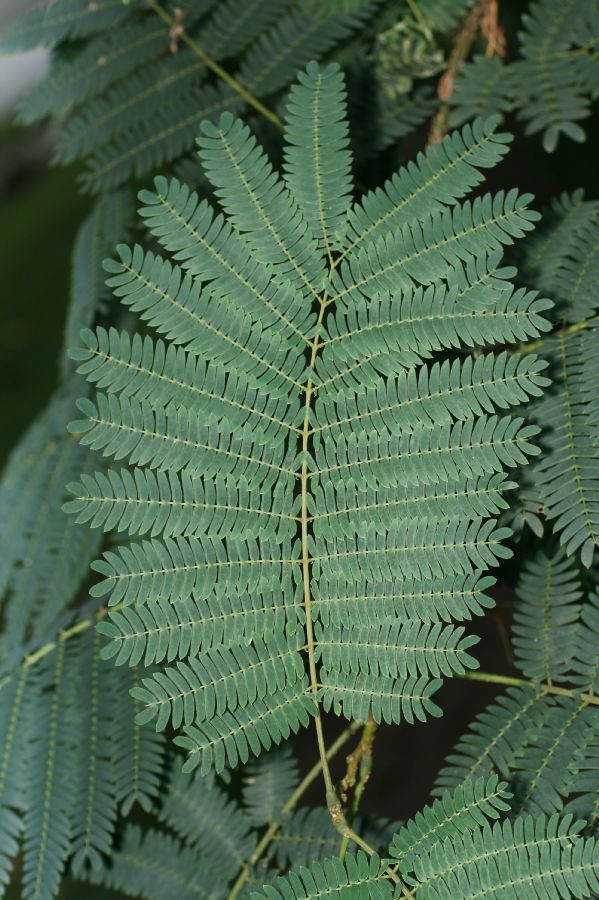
column 229, row 503
column 563, row 482
column 548, row 589
column 72, row 758
column 316, row 405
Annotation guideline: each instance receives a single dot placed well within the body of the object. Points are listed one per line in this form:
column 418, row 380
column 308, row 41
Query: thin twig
column 359, row 768
column 559, row 332
column 545, row 687
column 459, row 53
column 491, row 29
column 211, row 64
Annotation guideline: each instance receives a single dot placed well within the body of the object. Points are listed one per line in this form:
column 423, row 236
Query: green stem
column 331, row 794
column 417, row 14
column 32, row 658
column 73, row 631
column 218, row 70
column 509, row 680
column 563, row 332
column 333, row 803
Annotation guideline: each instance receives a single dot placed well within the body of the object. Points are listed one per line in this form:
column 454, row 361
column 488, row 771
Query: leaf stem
column 509, row 680
column 564, row 331
column 418, row 15
column 64, row 634
column 333, row 802
column 218, row 70
column 331, row 795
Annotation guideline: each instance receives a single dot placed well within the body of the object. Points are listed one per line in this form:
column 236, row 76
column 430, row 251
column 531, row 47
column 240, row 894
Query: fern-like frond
column 219, row 681
column 543, row 631
column 378, row 121
column 470, row 806
column 51, row 757
column 568, row 473
column 162, row 126
column 138, row 752
column 293, row 41
column 391, row 333
column 70, row 755
column 483, row 87
column 43, row 555
column 268, row 784
column 393, row 700
column 341, row 601
column 15, row 710
column 422, row 252
column 234, row 24
column 442, row 174
column 568, row 217
column 576, row 282
column 103, row 60
column 496, row 739
column 207, row 246
column 584, row 794
column 397, row 649
column 357, row 876
column 207, row 821
column 259, row 205
column 550, row 94
column 154, row 865
column 441, row 393
column 159, row 136
column 585, row 665
column 27, row 470
column 174, row 304
column 230, row 739
column 141, row 502
column 419, row 549
column 165, row 375
column 176, row 438
column 351, row 510
column 554, row 749
column 317, row 158
column 94, row 809
column 178, row 568
column 158, row 630
column 429, row 454
column 533, row 858
column 65, row 19
column 126, row 104
column 358, row 494
column 110, row 220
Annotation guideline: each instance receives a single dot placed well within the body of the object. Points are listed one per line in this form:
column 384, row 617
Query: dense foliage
column 303, row 414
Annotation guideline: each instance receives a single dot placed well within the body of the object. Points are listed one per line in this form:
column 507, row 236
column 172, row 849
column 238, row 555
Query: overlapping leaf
column 288, row 452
